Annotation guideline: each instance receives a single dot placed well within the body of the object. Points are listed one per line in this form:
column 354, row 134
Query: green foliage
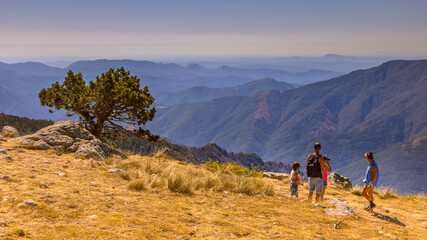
column 234, row 168
column 22, row 124
column 104, row 105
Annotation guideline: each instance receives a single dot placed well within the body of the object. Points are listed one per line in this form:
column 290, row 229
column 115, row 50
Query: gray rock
column 2, row 139
column 8, row 158
column 9, row 131
column 40, row 144
column 319, row 205
column 61, row 174
column 3, row 151
column 114, row 170
column 30, row 202
column 5, row 177
column 337, row 179
column 341, row 208
column 69, row 136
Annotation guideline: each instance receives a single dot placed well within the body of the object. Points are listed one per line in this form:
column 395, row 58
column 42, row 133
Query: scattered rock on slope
column 342, row 209
column 9, row 131
column 337, row 179
column 69, row 136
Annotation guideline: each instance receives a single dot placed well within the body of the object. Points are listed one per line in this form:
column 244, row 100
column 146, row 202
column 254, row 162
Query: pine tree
column 104, row 106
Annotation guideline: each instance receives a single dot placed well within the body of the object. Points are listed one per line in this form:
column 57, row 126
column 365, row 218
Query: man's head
column 317, row 147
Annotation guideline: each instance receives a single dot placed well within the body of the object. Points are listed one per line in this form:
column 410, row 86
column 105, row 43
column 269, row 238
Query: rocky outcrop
column 9, row 131
column 69, row 136
column 341, row 208
column 339, row 180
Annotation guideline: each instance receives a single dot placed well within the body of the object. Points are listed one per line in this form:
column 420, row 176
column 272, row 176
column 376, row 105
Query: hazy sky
column 137, row 29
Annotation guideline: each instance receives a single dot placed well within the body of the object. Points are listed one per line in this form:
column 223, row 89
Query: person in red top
column 327, row 169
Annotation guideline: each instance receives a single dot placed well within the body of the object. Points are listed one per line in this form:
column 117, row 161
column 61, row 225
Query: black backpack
column 313, row 166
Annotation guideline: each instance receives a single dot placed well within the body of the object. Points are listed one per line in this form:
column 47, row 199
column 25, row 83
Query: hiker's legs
column 371, row 194
column 311, row 188
column 325, row 183
column 314, row 184
column 310, row 196
column 318, row 196
column 323, row 193
column 365, row 192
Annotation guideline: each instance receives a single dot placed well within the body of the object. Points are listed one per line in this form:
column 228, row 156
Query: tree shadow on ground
column 388, row 219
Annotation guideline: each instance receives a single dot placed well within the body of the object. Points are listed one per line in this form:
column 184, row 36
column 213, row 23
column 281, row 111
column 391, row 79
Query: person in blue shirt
column 371, row 180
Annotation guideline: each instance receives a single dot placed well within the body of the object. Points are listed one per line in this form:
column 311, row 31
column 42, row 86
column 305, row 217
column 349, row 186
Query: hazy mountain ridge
column 27, row 79
column 201, row 94
column 366, row 110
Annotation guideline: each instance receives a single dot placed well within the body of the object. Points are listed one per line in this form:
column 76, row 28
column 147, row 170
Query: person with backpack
column 315, row 170
column 371, row 180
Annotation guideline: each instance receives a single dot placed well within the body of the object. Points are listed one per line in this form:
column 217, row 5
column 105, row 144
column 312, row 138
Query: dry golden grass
column 91, row 203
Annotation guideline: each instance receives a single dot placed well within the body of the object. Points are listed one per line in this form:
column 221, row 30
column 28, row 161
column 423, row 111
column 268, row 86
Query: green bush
column 228, row 167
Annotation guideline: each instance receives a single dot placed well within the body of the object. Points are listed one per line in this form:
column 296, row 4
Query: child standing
column 295, row 179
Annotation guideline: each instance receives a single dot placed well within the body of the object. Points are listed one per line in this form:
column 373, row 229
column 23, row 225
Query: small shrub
column 387, row 193
column 156, row 182
column 177, row 183
column 154, row 168
column 130, row 165
column 356, row 192
column 109, row 161
column 269, row 190
column 228, row 167
column 137, row 185
column 210, row 182
column 246, row 187
column 161, row 153
column 20, row 232
column 124, row 175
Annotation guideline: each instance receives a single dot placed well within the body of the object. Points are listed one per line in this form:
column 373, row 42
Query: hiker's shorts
column 315, row 184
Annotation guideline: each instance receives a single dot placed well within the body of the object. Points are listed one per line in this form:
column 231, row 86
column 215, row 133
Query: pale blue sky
column 159, row 28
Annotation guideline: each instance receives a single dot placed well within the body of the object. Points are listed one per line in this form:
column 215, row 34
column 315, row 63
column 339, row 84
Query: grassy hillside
column 156, row 198
column 376, row 110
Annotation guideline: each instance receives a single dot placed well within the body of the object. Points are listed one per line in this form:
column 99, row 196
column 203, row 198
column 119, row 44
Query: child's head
column 296, row 166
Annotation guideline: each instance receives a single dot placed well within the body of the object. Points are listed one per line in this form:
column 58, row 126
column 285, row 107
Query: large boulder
column 69, row 136
column 340, row 180
column 9, row 131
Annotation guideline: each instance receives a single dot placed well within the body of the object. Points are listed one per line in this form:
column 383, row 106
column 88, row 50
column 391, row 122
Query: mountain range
column 382, row 109
column 23, row 81
column 201, row 94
